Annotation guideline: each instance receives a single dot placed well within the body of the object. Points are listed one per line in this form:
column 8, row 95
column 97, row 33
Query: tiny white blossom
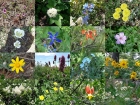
column 52, row 12
column 16, row 90
column 4, row 63
column 17, row 44
column 21, row 87
column 19, row 33
column 79, row 21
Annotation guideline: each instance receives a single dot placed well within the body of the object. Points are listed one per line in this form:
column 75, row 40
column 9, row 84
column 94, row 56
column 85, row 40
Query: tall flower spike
column 54, row 38
column 62, row 64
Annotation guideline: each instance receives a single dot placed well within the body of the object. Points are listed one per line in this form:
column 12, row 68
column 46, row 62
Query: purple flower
column 53, row 38
column 62, row 64
column 4, row 10
column 121, row 38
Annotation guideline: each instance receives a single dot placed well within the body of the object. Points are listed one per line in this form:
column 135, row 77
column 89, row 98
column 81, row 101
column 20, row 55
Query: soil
column 26, row 41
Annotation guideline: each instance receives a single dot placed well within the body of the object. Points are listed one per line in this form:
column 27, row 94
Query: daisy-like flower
column 124, row 6
column 116, row 15
column 125, row 18
column 17, row 44
column 19, row 33
column 121, row 38
column 118, row 10
column 17, row 64
column 54, row 38
column 52, row 12
column 123, row 63
column 89, row 91
column 4, row 10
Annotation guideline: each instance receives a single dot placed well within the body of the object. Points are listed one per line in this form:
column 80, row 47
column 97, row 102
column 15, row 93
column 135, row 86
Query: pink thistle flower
column 121, row 38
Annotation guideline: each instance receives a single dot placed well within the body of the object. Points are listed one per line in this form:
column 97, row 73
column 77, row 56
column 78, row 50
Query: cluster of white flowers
column 18, row 33
column 52, row 12
column 16, row 90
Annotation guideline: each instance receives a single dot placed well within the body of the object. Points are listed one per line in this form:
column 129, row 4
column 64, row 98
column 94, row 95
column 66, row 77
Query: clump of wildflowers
column 122, row 10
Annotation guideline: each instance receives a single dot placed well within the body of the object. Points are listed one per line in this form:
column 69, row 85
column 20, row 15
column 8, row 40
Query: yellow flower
column 114, row 64
column 90, row 96
column 55, row 89
column 118, row 10
column 123, row 63
column 47, row 91
column 116, row 15
column 55, row 83
column 126, row 12
column 107, row 59
column 41, row 97
column 137, row 63
column 132, row 77
column 125, row 19
column 134, row 73
column 116, row 73
column 124, row 6
column 61, row 88
column 17, row 64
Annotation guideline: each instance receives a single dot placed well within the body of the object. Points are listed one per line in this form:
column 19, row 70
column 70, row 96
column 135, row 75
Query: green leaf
column 58, row 22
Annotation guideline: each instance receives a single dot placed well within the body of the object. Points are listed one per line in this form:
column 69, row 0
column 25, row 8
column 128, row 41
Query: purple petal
column 117, row 36
column 122, row 41
column 121, row 34
column 124, row 38
column 58, row 40
column 117, row 42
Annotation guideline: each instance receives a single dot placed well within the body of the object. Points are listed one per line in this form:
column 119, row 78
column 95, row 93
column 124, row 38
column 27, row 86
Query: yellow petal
column 13, row 61
column 21, row 69
column 11, row 64
column 17, row 59
column 17, row 70
column 13, row 68
column 21, row 62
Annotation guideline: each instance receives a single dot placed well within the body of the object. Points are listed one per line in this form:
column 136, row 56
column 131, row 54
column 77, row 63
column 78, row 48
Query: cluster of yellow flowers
column 41, row 97
column 124, row 10
column 133, row 75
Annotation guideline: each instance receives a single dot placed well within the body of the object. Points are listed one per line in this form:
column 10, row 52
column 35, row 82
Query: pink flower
column 121, row 38
column 4, row 10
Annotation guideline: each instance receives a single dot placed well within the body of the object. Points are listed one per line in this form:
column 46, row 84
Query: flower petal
column 17, row 70
column 58, row 40
column 21, row 69
column 56, row 34
column 51, row 43
column 17, row 59
column 117, row 36
column 13, row 61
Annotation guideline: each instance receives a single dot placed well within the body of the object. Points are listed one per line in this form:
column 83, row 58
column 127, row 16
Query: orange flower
column 83, row 31
column 89, row 35
column 89, row 90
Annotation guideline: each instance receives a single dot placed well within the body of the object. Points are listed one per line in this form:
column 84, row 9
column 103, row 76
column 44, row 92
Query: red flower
column 89, row 90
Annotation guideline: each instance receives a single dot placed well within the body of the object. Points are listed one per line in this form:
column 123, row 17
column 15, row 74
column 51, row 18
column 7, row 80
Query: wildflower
column 85, row 19
column 16, row 90
column 133, row 75
column 126, row 12
column 118, row 10
column 71, row 21
column 68, row 56
column 137, row 63
column 53, row 38
column 55, row 89
column 88, row 7
column 62, row 64
column 61, row 89
column 17, row 44
column 116, row 15
column 52, row 12
column 55, row 58
column 116, row 73
column 4, row 10
column 41, row 97
column 121, row 38
column 83, row 31
column 79, row 21
column 89, row 91
column 124, row 6
column 21, row 87
column 123, row 63
column 19, row 33
column 55, row 83
column 17, row 64
column 125, row 19
column 47, row 91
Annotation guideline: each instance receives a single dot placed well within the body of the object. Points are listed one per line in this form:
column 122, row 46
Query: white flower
column 7, row 89
column 16, row 90
column 21, row 87
column 71, row 21
column 19, row 33
column 17, row 44
column 123, row 88
column 52, row 12
column 79, row 21
column 4, row 63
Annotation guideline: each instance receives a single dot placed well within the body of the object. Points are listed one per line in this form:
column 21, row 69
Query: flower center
column 17, row 65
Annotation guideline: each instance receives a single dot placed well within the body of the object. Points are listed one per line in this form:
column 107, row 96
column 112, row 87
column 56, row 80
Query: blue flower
column 54, row 38
column 86, row 59
column 85, row 19
column 88, row 7
column 85, row 6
